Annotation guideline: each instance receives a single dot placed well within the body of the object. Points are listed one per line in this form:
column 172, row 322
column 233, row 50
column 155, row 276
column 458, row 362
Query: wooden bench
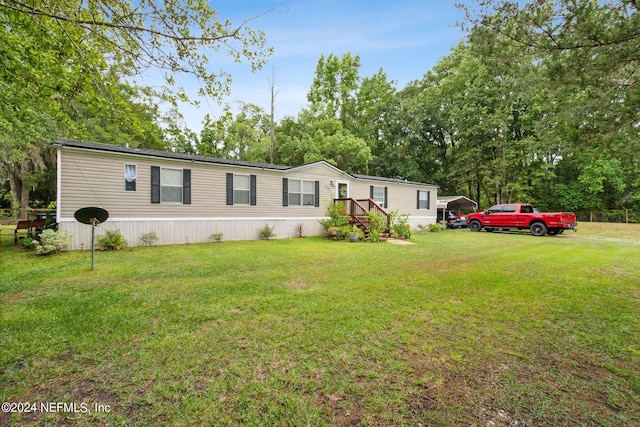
column 22, row 225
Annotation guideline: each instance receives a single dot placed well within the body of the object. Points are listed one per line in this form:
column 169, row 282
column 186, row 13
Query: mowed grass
column 459, row 328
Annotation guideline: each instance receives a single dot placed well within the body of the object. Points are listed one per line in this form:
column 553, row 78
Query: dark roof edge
column 394, row 180
column 114, row 148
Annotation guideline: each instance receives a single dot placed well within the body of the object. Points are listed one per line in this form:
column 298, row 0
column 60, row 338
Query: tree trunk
column 272, row 121
column 19, row 190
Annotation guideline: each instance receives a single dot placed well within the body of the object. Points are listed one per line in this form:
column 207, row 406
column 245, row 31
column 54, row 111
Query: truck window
column 526, row 209
column 509, row 209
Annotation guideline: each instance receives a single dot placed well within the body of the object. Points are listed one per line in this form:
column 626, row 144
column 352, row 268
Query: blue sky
column 405, row 38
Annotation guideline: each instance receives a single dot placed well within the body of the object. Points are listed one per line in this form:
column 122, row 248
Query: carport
column 456, row 203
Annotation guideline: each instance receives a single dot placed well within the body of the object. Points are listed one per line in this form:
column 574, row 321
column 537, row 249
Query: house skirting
column 199, row 230
column 189, row 230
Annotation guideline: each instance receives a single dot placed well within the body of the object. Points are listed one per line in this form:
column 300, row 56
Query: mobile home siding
column 91, row 177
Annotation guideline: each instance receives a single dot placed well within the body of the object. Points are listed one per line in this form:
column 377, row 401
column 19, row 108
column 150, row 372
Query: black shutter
column 155, row 184
column 371, row 192
column 285, row 192
column 428, row 199
column 386, row 203
column 252, row 190
column 186, row 186
column 418, row 198
column 229, row 189
column 317, row 195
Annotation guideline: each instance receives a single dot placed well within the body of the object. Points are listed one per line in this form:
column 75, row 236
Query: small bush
column 112, row 241
column 377, row 225
column 436, row 227
column 338, row 217
column 333, row 232
column 28, row 243
column 298, row 230
column 344, row 231
column 150, row 238
column 52, row 242
column 400, row 225
column 266, row 232
column 215, row 237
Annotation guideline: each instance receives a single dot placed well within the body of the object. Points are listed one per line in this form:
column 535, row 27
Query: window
column 170, row 185
column 297, row 192
column 130, row 177
column 509, row 209
column 379, row 195
column 294, row 193
column 423, row 199
column 241, row 189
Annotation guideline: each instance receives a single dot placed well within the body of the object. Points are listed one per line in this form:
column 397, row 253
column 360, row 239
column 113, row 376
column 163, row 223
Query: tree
column 172, row 36
column 66, row 63
column 588, row 53
column 375, row 115
column 334, row 87
column 309, row 139
column 243, row 137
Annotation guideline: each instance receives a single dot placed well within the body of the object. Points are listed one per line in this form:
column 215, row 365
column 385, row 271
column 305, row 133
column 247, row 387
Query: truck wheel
column 475, row 226
column 538, row 229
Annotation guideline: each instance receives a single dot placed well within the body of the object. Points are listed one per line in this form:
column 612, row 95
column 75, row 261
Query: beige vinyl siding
column 97, row 179
column 401, row 197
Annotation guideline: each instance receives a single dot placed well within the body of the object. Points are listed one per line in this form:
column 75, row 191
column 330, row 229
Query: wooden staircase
column 357, row 210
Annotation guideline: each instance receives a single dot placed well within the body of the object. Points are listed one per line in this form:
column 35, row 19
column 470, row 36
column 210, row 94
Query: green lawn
column 460, row 328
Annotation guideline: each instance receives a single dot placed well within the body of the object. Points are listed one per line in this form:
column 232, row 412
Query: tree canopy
column 67, row 69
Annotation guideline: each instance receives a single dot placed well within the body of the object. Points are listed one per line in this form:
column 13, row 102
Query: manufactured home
column 186, row 198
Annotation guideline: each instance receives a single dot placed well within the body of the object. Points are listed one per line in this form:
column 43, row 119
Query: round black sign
column 91, row 214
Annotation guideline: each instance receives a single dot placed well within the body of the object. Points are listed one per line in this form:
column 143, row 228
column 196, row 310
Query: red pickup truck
column 522, row 216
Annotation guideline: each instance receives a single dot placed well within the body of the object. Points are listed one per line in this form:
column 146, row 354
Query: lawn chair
column 22, row 225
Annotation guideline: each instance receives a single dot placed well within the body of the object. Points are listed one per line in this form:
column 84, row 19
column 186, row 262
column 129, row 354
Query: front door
column 342, row 190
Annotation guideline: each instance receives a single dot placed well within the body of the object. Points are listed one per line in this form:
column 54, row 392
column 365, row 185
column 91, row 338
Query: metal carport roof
column 456, row 202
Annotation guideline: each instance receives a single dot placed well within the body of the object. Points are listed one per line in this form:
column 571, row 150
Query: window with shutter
column 241, row 189
column 296, row 192
column 170, row 185
column 379, row 195
column 423, row 199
